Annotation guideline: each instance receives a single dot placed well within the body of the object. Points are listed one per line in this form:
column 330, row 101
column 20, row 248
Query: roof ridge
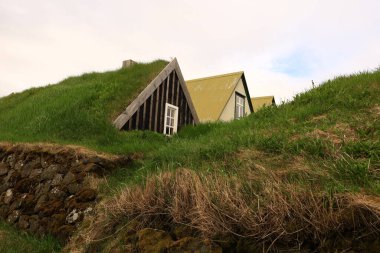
column 262, row 97
column 216, row 76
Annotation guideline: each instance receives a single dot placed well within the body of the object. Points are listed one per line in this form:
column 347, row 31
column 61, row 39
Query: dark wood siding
column 150, row 115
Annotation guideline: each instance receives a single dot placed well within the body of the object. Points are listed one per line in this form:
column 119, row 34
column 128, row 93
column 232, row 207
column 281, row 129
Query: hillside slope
column 304, row 175
column 77, row 110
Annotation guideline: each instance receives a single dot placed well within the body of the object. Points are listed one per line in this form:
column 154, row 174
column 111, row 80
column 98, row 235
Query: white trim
column 175, row 119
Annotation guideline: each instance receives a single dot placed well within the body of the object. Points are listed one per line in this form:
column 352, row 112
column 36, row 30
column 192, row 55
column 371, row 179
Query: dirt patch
column 320, row 134
column 345, row 131
column 337, row 134
column 375, row 110
column 319, row 118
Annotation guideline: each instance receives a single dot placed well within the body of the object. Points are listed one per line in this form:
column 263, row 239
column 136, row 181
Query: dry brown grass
column 375, row 110
column 56, row 149
column 337, row 134
column 319, row 118
column 264, row 207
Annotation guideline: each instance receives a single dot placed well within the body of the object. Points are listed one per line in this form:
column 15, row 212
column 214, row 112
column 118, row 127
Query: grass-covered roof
column 77, row 110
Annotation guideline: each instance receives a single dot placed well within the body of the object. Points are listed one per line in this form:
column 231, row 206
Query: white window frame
column 239, row 107
column 175, row 119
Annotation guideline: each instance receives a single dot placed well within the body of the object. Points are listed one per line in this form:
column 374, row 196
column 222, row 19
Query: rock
column 12, row 177
column 73, row 188
column 42, row 189
column 23, row 222
column 4, row 209
column 13, row 217
column 62, row 169
column 8, row 196
column 69, row 178
column 19, row 165
column 35, row 173
column 191, row 244
column 16, row 204
column 3, row 169
column 33, row 162
column 152, row 240
column 28, row 204
column 40, row 202
column 33, row 224
column 35, row 182
column 4, row 187
column 181, row 231
column 50, row 207
column 49, row 172
column 79, row 177
column 25, row 171
column 45, row 162
column 88, row 210
column 73, row 216
column 57, row 180
column 24, row 185
column 11, row 160
column 57, row 193
column 86, row 195
column 59, row 218
column 64, row 232
column 246, row 245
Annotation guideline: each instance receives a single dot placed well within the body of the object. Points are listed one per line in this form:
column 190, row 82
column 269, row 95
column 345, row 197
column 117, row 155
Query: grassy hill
column 78, row 110
column 307, row 170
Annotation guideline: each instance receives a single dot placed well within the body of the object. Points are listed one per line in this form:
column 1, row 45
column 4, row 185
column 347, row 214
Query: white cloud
column 281, row 45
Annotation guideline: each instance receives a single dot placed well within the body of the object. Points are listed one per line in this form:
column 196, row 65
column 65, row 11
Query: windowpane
column 239, row 106
column 170, row 118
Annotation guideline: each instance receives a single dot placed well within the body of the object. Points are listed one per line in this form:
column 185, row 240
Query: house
column 220, row 98
column 164, row 105
column 260, row 102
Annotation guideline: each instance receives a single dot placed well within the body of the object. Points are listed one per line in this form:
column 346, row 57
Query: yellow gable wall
column 229, row 110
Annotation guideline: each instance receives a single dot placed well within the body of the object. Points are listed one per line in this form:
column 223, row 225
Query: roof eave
column 247, row 92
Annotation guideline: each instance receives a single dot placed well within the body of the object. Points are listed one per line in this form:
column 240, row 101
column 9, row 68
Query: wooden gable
column 147, row 111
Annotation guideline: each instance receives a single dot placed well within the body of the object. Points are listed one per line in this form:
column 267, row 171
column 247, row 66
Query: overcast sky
column 280, row 45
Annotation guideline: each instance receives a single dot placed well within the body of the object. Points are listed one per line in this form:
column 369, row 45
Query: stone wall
column 47, row 189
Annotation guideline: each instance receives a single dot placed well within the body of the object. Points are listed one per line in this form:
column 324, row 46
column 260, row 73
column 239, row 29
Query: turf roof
column 79, row 108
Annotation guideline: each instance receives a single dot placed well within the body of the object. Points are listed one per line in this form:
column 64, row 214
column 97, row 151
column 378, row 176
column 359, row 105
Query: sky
column 280, row 45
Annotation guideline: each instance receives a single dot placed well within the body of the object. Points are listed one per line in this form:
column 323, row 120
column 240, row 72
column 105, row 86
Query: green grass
column 80, row 110
column 333, row 130
column 345, row 108
column 14, row 241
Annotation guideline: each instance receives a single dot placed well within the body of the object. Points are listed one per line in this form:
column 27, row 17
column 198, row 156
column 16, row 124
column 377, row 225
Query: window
column 239, row 106
column 171, row 119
